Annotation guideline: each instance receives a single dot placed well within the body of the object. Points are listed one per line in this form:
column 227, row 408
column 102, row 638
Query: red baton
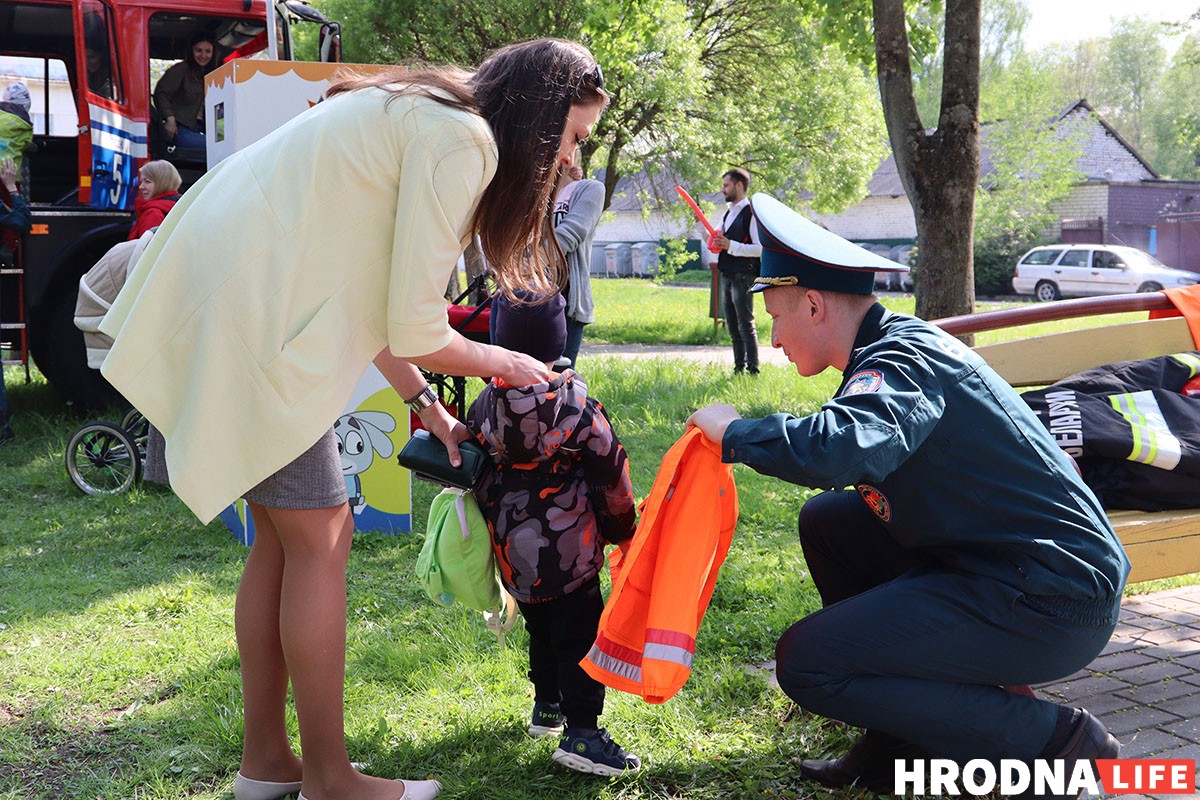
column 696, row 210
column 712, row 232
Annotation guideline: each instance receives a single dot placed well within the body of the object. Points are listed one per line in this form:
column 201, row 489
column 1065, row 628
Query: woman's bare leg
column 312, row 630
column 266, row 751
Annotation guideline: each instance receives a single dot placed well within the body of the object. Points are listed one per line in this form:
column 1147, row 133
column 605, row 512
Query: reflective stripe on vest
column 1153, row 442
column 665, row 645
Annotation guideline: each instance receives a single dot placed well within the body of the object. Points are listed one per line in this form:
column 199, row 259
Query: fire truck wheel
column 57, row 349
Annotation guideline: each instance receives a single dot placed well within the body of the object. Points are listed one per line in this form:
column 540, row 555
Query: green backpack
column 456, row 563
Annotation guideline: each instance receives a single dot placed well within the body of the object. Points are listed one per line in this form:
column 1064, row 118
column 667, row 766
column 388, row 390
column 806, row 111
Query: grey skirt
column 313, row 480
column 154, row 462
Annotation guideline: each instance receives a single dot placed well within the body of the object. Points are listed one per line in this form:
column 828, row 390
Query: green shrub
column 995, row 260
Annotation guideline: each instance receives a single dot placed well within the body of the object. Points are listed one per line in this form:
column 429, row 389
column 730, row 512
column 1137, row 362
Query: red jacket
column 647, row 635
column 149, row 213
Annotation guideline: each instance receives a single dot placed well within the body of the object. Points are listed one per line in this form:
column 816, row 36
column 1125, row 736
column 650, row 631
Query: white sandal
column 247, row 789
column 413, row 790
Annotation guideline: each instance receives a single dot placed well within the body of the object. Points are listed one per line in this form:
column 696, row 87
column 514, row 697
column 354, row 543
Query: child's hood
column 532, row 423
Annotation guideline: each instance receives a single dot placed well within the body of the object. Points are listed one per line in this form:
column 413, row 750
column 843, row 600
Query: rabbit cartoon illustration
column 362, row 434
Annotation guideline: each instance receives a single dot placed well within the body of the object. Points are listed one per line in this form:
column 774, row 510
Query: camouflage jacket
column 560, row 489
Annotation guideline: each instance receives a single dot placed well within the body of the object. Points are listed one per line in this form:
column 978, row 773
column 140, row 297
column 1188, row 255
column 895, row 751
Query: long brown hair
column 196, row 71
column 525, row 92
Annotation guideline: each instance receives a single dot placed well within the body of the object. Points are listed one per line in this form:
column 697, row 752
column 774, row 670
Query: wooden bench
column 1160, row 544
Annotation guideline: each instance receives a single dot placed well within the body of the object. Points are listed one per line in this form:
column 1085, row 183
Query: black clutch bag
column 427, row 458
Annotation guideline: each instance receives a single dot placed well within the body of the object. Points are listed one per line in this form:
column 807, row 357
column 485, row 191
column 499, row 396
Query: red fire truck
column 88, row 64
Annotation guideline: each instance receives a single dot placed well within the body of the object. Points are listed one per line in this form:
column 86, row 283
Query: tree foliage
column 1078, row 70
column 1130, row 75
column 1174, row 120
column 697, row 86
column 1032, row 166
column 1001, row 42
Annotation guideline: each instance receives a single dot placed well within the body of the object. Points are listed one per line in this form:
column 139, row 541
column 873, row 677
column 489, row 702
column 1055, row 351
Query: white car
column 1081, row 270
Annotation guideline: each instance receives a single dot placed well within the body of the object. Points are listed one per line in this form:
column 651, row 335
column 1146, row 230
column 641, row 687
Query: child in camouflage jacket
column 560, row 491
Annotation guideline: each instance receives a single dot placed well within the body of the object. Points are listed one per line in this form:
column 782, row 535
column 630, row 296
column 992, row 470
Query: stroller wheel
column 136, row 426
column 103, row 458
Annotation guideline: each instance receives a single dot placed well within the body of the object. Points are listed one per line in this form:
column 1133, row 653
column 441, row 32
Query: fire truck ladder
column 14, row 340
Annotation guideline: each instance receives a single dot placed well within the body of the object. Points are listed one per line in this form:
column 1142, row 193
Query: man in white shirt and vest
column 738, row 264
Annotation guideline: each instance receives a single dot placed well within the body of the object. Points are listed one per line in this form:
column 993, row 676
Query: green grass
column 694, row 277
column 120, row 672
column 632, row 311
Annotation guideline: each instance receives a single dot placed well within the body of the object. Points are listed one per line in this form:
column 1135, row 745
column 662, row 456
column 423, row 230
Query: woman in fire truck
column 179, row 93
column 281, row 275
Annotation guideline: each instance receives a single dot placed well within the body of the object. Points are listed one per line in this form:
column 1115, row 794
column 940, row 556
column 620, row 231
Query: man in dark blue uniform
column 968, row 556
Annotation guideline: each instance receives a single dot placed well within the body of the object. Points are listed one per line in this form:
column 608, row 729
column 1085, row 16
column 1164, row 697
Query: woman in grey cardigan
column 577, row 210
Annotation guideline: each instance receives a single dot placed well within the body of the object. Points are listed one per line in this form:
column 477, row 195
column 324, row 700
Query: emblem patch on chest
column 876, row 501
column 863, row 382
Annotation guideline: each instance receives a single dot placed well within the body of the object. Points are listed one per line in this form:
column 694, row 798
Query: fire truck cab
column 91, row 66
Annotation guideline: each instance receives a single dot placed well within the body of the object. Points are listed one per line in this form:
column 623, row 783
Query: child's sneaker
column 593, row 751
column 546, row 719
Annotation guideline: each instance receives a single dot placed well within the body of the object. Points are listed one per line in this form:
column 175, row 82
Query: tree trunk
column 939, row 169
column 611, row 174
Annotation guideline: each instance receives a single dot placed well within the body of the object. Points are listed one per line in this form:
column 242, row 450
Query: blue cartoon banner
column 369, row 434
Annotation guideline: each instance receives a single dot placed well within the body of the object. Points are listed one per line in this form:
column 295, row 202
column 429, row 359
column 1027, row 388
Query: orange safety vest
column 647, row 634
column 1186, row 300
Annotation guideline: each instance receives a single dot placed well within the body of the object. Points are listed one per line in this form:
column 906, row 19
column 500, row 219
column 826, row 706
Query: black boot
column 6, row 433
column 1089, row 740
column 869, row 764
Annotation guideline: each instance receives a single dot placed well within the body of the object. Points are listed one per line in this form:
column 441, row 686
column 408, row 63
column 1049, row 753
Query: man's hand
column 449, row 431
column 720, row 240
column 713, row 420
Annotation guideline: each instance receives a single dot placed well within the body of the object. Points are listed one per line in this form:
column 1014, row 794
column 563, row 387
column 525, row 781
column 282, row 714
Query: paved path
column 701, row 353
column 1145, row 686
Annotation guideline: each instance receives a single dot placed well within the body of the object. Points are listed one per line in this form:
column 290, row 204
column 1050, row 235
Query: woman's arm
column 465, row 357
column 164, row 94
column 460, row 357
column 408, row 382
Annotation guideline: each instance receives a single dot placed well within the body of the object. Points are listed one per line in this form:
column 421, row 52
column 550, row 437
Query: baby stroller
column 472, row 321
column 106, row 458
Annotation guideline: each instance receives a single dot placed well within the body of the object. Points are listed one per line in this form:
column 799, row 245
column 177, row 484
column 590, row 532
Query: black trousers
column 739, row 318
column 912, row 649
column 561, row 631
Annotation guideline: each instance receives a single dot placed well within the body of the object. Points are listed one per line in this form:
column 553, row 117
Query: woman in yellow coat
column 273, row 284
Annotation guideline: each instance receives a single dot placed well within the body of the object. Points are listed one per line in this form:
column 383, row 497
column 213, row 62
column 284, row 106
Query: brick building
column 1121, row 200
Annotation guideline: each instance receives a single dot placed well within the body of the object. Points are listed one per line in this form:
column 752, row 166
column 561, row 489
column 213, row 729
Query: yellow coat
column 244, row 328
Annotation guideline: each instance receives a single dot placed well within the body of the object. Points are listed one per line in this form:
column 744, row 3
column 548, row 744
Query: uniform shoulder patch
column 876, row 501
column 863, row 382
